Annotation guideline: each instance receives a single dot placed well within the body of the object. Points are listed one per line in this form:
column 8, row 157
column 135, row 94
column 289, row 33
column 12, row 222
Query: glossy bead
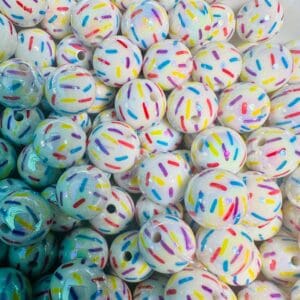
column 8, row 158
column 10, row 185
column 118, row 289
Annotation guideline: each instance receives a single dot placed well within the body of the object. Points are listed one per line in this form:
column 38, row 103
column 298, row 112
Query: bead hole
column 195, row 119
column 153, row 97
column 295, row 260
column 127, row 256
column 156, row 237
column 111, row 208
column 18, row 116
column 81, row 55
column 262, row 142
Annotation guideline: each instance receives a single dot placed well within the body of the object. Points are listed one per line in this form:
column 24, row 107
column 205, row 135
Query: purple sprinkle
column 163, row 169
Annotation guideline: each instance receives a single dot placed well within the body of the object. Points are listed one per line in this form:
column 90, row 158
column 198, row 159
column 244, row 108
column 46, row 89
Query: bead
column 37, row 47
column 118, row 289
column 83, row 120
column 140, row 103
column 14, row 284
column 167, row 244
column 168, row 63
column 258, row 21
column 24, row 13
column 8, row 158
column 57, row 21
column 292, row 187
column 294, row 47
column 217, row 64
column 271, row 151
column 59, row 142
column 9, row 38
column 117, row 213
column 145, row 23
column 190, row 22
column 70, row 89
column 163, row 178
column 18, row 126
column 216, row 198
column 219, row 147
column 291, row 219
column 40, row 289
column 34, row 171
column 146, row 209
column 93, row 21
column 82, row 191
column 107, row 115
column 113, row 147
column 78, row 279
column 126, row 259
column 243, row 107
column 84, row 242
column 21, row 84
column 269, row 65
column 11, row 185
column 71, row 50
column 25, row 218
column 192, row 108
column 37, row 259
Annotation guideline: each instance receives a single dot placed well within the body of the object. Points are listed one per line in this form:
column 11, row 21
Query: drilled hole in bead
column 127, row 256
column 4, row 228
column 195, row 119
column 153, row 97
column 111, row 208
column 200, row 145
column 156, row 237
column 18, row 116
column 81, row 55
column 295, row 260
column 23, row 67
column 261, row 142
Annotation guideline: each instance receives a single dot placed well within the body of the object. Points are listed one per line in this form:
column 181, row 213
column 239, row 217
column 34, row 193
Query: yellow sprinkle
column 156, row 132
column 67, row 77
column 140, row 90
column 94, row 208
column 100, row 5
column 22, row 222
column 269, row 201
column 251, row 273
column 56, row 290
column 213, row 150
column 221, row 207
column 229, row 119
column 66, row 126
column 118, row 72
column 113, row 282
column 70, row 51
column 95, row 154
column 109, row 138
column 179, row 181
column 179, row 74
column 158, row 180
column 125, row 207
column 152, row 63
column 190, row 13
column 142, row 269
column 188, row 109
column 16, row 296
column 102, row 185
column 253, row 88
column 224, row 247
column 268, row 80
column 287, row 274
column 68, row 100
column 217, row 138
column 254, row 18
column 29, row 250
column 209, row 82
column 77, row 278
column 61, row 147
column 198, row 295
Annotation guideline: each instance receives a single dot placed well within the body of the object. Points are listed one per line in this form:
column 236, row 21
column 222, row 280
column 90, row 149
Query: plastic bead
column 34, row 171
column 117, row 213
column 294, row 47
column 8, row 158
column 21, row 84
column 272, row 151
column 19, row 125
column 218, row 64
column 163, row 178
column 140, row 103
column 40, row 289
column 292, row 187
column 9, row 38
column 35, row 260
column 269, row 65
column 113, row 147
column 11, row 185
column 82, row 191
column 167, row 244
column 59, row 142
column 190, row 22
column 258, row 21
column 243, row 107
column 25, row 218
column 291, row 218
column 216, row 199
column 118, row 289
column 71, row 51
column 93, row 21
column 192, row 107
column 83, row 120
column 145, row 23
column 126, row 259
column 219, row 147
column 168, row 64
column 25, row 13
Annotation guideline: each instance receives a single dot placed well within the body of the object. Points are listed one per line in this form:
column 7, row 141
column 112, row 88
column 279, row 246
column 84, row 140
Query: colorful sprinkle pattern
column 8, row 158
column 292, row 187
column 294, row 47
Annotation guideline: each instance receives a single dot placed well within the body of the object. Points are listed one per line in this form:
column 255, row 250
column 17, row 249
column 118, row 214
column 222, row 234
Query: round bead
column 269, row 65
column 82, row 191
column 9, row 39
column 259, row 20
column 35, row 260
column 14, row 284
column 25, row 13
column 84, row 242
column 70, row 89
column 145, row 23
column 192, row 107
column 291, row 218
column 71, row 50
column 216, row 199
column 11, row 185
column 37, row 47
column 57, row 21
column 190, row 22
column 83, row 120
column 168, row 63
column 8, row 158
column 243, row 107
column 271, row 151
column 167, row 243
column 113, row 147
column 117, row 213
column 93, row 21
column 163, row 177
column 59, row 142
column 219, row 147
column 118, row 289
column 140, row 103
column 126, row 259
column 34, row 171
column 19, row 125
column 218, row 64
column 21, row 84
column 41, row 288
column 26, row 218
column 294, row 47
column 80, row 279
column 292, row 187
